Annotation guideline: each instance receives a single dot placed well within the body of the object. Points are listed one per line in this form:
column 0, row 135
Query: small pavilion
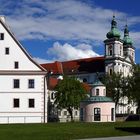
column 97, row 107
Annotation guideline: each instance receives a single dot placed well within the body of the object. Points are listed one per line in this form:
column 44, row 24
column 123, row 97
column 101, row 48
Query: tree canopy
column 135, row 86
column 116, row 86
column 69, row 93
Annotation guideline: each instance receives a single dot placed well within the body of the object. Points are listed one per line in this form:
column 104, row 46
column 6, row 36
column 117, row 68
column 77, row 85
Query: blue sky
column 62, row 30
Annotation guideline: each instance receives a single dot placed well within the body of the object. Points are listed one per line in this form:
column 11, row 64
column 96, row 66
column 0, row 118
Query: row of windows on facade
column 16, row 103
column 31, row 83
column 110, row 52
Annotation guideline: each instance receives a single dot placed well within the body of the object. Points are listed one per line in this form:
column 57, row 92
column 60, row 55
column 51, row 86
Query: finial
column 113, row 15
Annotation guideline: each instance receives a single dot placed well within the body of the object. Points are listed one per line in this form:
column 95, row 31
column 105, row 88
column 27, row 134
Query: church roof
column 79, row 66
column 96, row 99
column 114, row 32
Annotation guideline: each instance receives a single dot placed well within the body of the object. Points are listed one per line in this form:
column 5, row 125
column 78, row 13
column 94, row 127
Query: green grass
column 63, row 131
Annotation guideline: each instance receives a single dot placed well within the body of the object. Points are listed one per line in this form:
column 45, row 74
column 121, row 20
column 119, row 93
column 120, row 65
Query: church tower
column 113, row 50
column 129, row 50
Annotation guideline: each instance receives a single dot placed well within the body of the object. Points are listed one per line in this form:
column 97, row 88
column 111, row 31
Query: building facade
column 98, row 107
column 23, row 88
column 119, row 57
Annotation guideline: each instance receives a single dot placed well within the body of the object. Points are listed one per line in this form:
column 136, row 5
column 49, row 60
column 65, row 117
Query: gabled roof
column 79, row 66
column 21, row 47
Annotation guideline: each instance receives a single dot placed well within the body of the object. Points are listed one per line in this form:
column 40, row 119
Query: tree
column 135, row 86
column 69, row 93
column 116, row 86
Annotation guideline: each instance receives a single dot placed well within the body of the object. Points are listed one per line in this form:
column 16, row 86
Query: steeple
column 127, row 40
column 114, row 32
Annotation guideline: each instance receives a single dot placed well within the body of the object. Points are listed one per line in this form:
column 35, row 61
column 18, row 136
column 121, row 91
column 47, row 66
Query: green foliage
column 69, row 93
column 117, row 86
column 135, row 86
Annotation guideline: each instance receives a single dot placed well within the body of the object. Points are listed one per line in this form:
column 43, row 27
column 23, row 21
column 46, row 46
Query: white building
column 23, row 97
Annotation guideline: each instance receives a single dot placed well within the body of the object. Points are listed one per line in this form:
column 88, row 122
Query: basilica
column 119, row 57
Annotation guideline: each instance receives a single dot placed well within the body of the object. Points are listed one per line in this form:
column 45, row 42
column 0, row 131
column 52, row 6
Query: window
column 1, row 36
column 52, row 95
column 31, row 103
column 84, row 80
column 110, row 71
column 59, row 113
column 104, row 92
column 97, row 114
column 76, row 113
column 110, row 51
column 97, row 92
column 16, row 83
column 65, row 113
column 81, row 114
column 112, row 114
column 31, row 83
column 16, row 65
column 16, row 103
column 6, row 51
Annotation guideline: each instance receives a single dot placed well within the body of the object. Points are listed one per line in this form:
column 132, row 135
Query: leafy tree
column 135, row 86
column 69, row 93
column 116, row 85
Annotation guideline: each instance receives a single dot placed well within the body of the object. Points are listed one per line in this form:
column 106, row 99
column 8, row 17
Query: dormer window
column 97, row 92
column 1, row 36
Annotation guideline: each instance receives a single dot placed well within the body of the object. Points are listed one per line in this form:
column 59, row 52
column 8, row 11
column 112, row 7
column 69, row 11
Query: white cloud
column 63, row 19
column 68, row 52
column 41, row 61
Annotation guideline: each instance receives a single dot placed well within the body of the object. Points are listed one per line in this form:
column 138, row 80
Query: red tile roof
column 55, row 67
column 54, row 81
column 86, row 65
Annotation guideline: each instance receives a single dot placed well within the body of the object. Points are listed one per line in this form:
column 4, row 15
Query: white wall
column 7, row 61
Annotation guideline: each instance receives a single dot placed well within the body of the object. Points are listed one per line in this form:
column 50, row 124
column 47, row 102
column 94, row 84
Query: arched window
column 110, row 50
column 97, row 92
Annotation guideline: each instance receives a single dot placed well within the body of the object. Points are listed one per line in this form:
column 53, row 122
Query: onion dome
column 127, row 40
column 114, row 32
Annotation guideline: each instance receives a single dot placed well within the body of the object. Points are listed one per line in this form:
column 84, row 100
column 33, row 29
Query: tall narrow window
column 16, row 65
column 110, row 50
column 31, row 103
column 110, row 71
column 16, row 83
column 97, row 92
column 31, row 83
column 6, row 51
column 81, row 114
column 15, row 102
column 1, row 36
column 112, row 114
column 97, row 114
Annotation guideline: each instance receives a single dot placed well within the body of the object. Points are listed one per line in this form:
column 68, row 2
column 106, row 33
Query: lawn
column 64, row 131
